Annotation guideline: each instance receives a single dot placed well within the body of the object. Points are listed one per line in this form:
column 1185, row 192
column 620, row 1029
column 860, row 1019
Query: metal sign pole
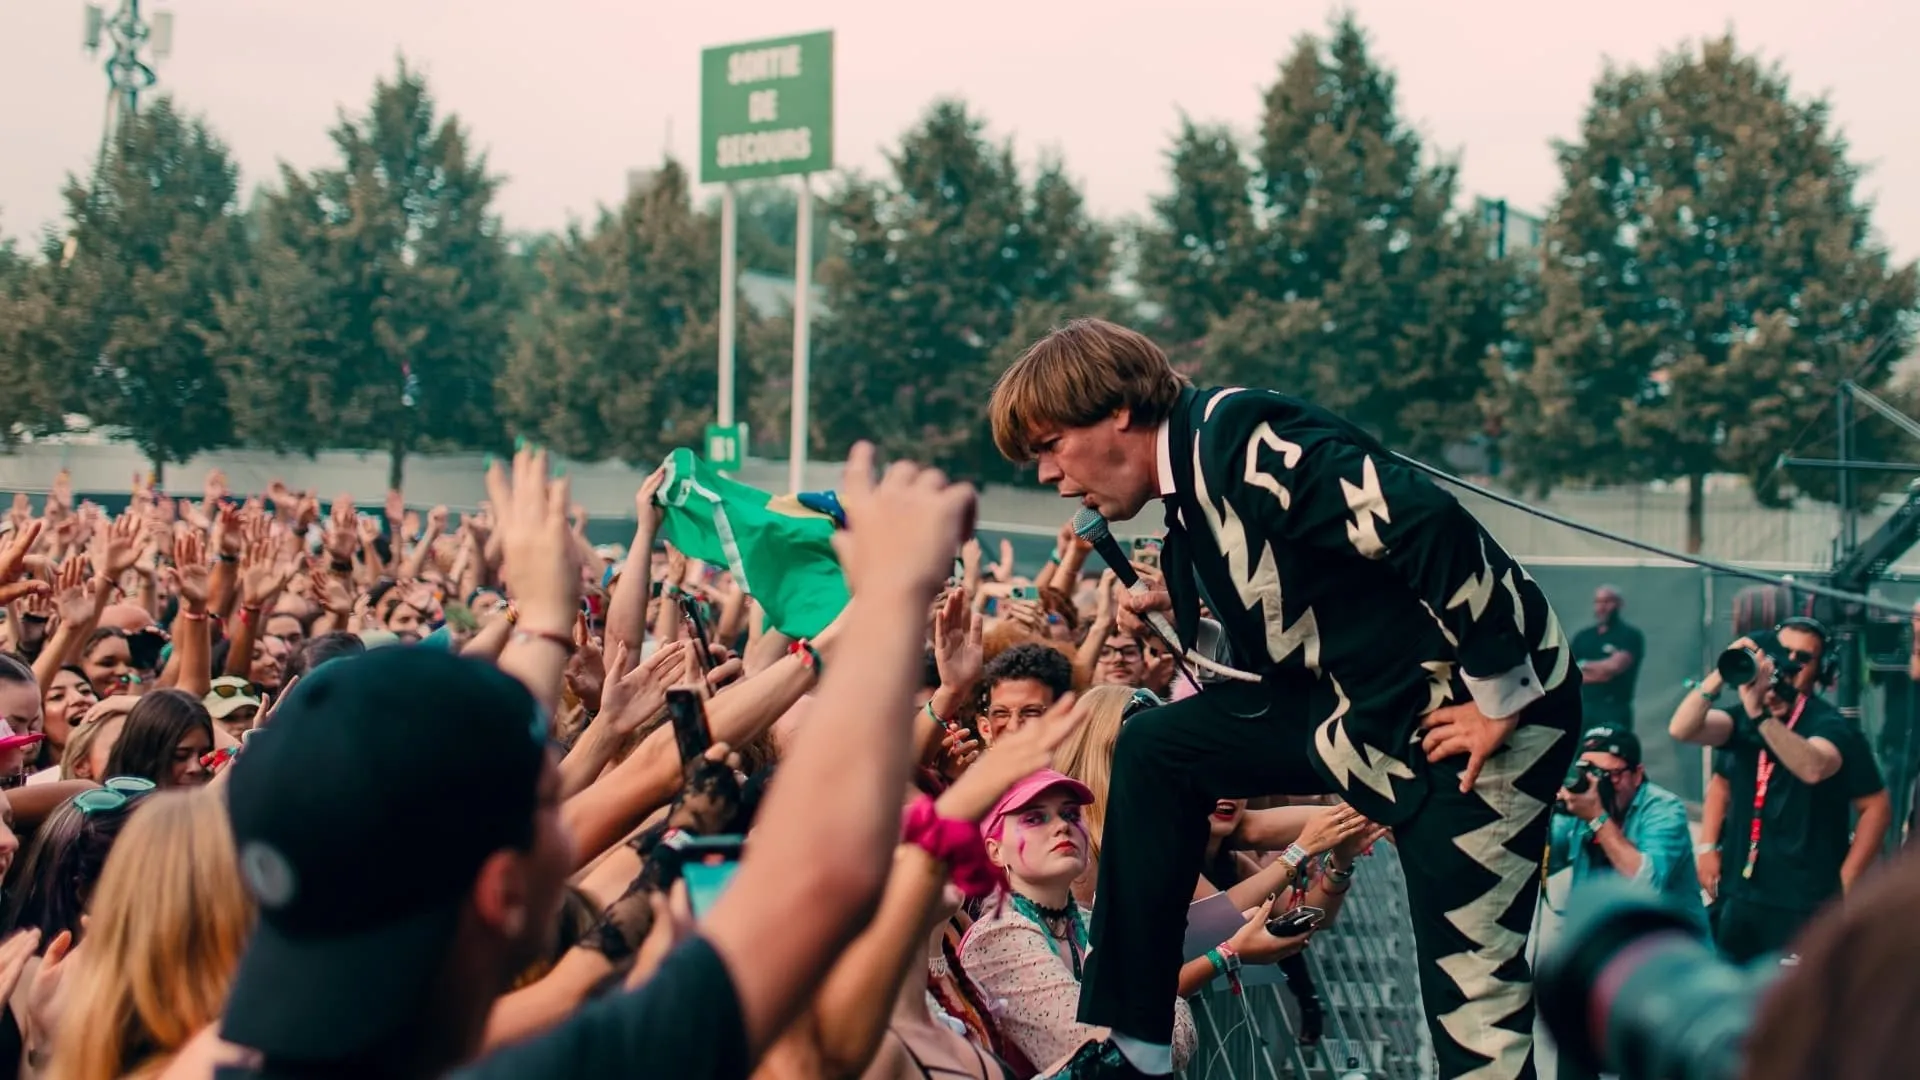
column 802, row 335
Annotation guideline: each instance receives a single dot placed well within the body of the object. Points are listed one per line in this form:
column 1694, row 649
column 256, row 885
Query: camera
column 1738, row 665
column 1632, row 988
column 1581, row 777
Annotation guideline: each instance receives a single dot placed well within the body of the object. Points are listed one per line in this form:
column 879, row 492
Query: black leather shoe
column 1098, row 1061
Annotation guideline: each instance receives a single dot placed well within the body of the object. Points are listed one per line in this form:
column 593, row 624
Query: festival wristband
column 956, row 843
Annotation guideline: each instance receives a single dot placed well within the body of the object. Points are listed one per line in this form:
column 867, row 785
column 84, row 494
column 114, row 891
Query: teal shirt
column 1656, row 825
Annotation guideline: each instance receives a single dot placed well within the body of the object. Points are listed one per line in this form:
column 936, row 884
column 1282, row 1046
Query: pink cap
column 1026, row 792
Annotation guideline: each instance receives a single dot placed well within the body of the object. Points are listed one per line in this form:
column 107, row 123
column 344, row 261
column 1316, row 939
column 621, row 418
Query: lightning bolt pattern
column 1474, row 1025
column 1218, row 397
column 1264, row 438
column 1439, row 683
column 1348, row 762
column 1519, row 609
column 1477, row 590
column 1256, row 577
column 1369, row 503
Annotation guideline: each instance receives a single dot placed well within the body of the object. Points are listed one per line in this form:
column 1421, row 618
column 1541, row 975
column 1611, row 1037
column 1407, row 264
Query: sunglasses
column 116, row 793
column 228, row 691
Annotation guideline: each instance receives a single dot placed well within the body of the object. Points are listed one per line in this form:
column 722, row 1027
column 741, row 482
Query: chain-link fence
column 1363, row 967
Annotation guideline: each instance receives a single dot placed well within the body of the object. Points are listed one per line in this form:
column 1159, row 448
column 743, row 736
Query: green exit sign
column 726, row 445
column 766, row 108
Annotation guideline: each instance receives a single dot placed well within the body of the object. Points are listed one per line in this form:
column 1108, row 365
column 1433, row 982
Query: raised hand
column 117, row 547
column 13, row 564
column 330, row 592
column 369, row 530
column 957, row 648
column 228, row 535
column 646, row 501
column 22, row 511
column 215, row 490
column 901, row 531
column 342, row 533
column 263, row 575
column 73, row 593
column 396, row 510
column 1017, row 754
column 189, row 575
column 540, row 561
column 1333, row 827
column 437, row 520
column 635, row 697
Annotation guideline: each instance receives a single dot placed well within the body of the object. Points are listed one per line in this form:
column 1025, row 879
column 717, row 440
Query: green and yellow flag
column 779, row 549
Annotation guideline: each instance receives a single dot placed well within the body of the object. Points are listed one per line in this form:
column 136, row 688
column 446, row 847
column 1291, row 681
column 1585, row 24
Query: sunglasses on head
column 117, row 792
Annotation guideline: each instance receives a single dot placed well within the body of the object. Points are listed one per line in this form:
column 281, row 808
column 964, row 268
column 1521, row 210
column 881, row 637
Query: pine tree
column 1349, row 280
column 1199, row 254
column 155, row 245
column 1709, row 279
column 414, row 294
column 929, row 271
column 617, row 354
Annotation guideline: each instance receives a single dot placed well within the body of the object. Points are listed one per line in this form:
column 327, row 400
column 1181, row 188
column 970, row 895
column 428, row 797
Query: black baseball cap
column 362, row 814
column 1624, row 745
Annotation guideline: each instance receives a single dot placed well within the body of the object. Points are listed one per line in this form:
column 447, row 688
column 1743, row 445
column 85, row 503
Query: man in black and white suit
column 1405, row 662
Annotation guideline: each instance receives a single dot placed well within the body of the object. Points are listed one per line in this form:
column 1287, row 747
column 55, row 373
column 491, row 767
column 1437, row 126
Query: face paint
column 1049, row 841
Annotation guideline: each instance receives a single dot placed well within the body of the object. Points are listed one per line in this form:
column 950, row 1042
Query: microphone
column 1088, row 525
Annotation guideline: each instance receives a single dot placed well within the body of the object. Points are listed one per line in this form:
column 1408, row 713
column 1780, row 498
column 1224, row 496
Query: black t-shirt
column 1616, row 693
column 686, row 1023
column 1805, row 831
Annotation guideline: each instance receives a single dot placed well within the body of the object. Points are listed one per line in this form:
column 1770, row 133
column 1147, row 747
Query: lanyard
column 1763, row 776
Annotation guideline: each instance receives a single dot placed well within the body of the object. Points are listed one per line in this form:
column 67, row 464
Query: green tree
column 1199, row 254
column 930, row 268
column 154, row 245
column 767, row 222
column 1370, row 294
column 414, row 292
column 1709, row 279
column 616, row 356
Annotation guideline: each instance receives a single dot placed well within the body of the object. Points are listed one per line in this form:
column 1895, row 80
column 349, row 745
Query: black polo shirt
column 1805, row 829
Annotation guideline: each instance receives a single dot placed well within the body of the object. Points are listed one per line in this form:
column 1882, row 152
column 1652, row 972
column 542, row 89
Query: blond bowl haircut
column 1076, row 376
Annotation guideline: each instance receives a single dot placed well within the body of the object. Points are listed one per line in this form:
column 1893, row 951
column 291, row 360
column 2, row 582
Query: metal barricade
column 1363, row 966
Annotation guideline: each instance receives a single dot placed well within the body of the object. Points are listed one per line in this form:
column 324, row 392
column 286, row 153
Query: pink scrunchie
column 956, row 843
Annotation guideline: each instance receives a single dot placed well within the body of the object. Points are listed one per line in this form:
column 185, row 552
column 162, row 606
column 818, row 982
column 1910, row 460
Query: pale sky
column 567, row 95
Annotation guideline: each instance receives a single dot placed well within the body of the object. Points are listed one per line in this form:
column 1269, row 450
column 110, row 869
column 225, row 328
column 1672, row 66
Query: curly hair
column 1034, row 660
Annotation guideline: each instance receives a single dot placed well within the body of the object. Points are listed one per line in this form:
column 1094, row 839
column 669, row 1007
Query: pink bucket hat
column 1024, row 793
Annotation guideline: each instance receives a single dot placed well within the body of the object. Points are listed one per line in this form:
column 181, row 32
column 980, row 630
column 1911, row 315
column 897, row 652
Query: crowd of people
column 293, row 792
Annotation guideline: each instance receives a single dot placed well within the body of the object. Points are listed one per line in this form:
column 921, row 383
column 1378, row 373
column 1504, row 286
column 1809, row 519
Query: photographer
column 1795, row 770
column 1613, row 820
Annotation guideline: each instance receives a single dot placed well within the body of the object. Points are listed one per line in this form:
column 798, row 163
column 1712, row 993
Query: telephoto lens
column 1632, row 989
column 1737, row 666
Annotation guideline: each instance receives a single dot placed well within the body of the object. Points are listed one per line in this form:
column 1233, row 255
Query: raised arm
column 842, row 778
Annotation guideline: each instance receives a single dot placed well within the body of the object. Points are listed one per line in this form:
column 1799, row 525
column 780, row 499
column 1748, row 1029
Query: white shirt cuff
column 1503, row 695
column 1644, row 875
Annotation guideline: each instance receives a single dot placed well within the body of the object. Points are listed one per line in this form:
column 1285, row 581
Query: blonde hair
column 166, row 927
column 1076, row 376
column 1087, row 755
column 83, row 735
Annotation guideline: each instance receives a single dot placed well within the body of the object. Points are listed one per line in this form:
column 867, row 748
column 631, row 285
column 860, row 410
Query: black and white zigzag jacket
column 1368, row 587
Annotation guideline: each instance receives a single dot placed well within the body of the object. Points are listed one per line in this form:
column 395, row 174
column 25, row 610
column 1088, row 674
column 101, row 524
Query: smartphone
column 1146, row 551
column 1028, row 593
column 1296, row 922
column 690, row 729
column 696, row 630
column 992, row 608
column 708, row 864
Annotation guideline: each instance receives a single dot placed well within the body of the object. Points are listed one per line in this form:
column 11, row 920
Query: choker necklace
column 1050, row 913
